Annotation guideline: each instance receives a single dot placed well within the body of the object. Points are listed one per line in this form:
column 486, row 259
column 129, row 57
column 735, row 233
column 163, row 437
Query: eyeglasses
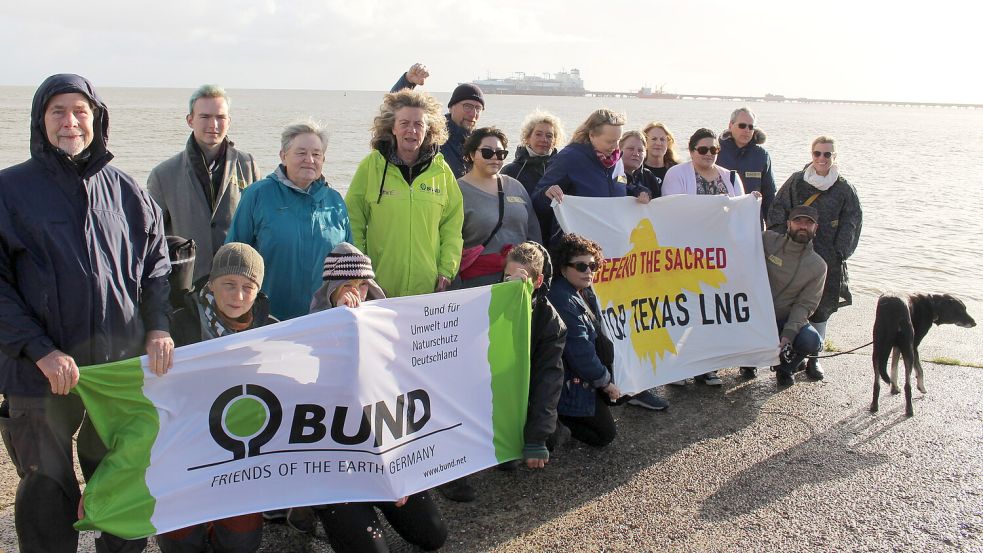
column 702, row 150
column 487, row 153
column 582, row 267
column 817, row 154
column 476, row 108
column 743, row 126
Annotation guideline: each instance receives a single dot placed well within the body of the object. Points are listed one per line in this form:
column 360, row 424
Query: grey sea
column 917, row 170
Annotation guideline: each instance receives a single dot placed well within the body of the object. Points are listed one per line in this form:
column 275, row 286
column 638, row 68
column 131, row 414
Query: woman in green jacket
column 404, row 203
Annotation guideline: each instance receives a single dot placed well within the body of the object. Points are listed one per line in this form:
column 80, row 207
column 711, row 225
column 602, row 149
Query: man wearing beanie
column 230, row 302
column 465, row 107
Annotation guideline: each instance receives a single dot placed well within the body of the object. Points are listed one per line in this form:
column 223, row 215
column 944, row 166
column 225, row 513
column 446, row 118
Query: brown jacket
column 188, row 213
column 796, row 274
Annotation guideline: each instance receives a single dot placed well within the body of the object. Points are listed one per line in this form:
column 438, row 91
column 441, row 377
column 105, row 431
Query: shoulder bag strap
column 501, row 211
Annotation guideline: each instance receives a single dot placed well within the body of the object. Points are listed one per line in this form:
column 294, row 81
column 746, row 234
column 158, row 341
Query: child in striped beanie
column 348, row 280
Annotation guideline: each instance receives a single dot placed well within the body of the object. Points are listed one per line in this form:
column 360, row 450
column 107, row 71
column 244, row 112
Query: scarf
column 820, row 182
column 219, row 325
column 608, row 161
column 534, row 154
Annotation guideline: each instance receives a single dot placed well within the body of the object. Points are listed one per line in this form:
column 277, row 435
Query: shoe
column 648, row 400
column 749, row 372
column 710, row 379
column 784, row 376
column 559, row 438
column 301, row 519
column 279, row 515
column 814, row 370
column 458, row 490
column 679, row 382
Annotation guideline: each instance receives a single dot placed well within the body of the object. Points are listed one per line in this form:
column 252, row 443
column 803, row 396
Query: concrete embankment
column 741, row 467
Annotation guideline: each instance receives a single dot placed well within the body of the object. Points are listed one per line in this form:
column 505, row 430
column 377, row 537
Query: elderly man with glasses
column 741, row 151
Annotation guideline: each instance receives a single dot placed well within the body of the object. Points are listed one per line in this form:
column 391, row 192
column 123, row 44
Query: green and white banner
column 366, row 404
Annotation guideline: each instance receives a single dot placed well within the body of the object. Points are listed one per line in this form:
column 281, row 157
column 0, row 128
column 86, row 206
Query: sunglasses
column 702, row 150
column 487, row 153
column 743, row 126
column 817, row 154
column 582, row 267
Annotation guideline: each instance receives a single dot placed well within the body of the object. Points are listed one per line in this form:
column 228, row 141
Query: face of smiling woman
column 304, row 159
column 409, row 129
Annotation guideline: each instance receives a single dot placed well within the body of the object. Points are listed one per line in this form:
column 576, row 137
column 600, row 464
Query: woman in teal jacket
column 294, row 219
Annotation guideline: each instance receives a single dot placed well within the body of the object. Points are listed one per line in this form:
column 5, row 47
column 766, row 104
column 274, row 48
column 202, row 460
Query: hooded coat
column 188, row 212
column 528, row 169
column 840, row 222
column 752, row 163
column 83, row 258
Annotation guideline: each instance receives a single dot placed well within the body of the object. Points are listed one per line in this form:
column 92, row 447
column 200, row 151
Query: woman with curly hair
column 587, row 382
column 660, row 153
column 404, row 202
column 540, row 134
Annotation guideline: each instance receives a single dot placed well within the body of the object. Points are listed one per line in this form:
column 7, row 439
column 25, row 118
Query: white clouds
column 749, row 48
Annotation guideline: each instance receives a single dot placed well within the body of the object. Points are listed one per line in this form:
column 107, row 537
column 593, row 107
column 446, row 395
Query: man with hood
column 464, row 108
column 198, row 189
column 741, row 151
column 796, row 274
column 83, row 280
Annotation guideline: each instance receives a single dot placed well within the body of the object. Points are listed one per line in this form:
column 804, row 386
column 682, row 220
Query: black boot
column 813, row 369
column 749, row 372
column 783, row 373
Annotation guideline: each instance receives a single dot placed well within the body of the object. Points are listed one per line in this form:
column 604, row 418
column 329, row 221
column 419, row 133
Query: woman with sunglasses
column 497, row 210
column 840, row 220
column 587, row 381
column 404, row 202
column 585, row 167
column 702, row 176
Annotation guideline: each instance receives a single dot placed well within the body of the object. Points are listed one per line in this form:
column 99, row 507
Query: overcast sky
column 925, row 51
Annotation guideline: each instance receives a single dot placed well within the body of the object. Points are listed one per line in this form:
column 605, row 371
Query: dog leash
column 839, row 352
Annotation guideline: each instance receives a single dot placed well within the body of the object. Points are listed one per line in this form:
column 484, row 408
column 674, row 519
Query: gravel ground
column 742, row 467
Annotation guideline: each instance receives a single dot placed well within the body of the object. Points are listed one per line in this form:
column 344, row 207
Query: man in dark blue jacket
column 83, row 280
column 464, row 108
column 741, row 151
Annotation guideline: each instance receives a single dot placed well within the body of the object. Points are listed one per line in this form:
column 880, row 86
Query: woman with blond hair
column 840, row 221
column 585, row 167
column 661, row 149
column 633, row 147
column 541, row 132
column 404, row 202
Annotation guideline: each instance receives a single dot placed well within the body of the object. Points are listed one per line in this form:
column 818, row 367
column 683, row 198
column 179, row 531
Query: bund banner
column 683, row 288
column 366, row 404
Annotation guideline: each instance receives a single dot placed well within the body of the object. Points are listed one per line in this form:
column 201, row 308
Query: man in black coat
column 83, row 280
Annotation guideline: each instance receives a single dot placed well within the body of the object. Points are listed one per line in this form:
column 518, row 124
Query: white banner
column 683, row 287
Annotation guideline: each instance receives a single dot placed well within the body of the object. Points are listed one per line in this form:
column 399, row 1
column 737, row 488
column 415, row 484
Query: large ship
column 561, row 84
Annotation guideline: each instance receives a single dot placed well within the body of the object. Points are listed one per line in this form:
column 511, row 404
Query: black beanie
column 467, row 91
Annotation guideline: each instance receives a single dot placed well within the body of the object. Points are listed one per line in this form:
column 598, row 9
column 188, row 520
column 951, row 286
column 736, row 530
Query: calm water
column 918, row 170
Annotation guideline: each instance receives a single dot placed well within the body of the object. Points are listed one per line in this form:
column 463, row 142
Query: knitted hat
column 806, row 211
column 236, row 258
column 467, row 91
column 346, row 262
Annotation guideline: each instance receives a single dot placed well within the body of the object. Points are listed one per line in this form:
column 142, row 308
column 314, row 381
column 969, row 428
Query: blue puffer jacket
column 753, row 164
column 83, row 260
column 294, row 230
column 583, row 371
column 578, row 172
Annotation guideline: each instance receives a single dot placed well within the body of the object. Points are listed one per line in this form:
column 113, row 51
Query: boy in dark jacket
column 543, row 432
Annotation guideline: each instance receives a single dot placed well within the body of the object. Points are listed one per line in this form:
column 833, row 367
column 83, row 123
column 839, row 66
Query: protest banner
column 367, row 404
column 683, row 288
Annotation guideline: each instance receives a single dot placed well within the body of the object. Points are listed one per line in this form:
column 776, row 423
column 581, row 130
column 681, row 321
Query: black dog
column 899, row 326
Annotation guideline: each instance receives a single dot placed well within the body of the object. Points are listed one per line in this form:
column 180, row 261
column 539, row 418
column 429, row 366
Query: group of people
column 84, row 267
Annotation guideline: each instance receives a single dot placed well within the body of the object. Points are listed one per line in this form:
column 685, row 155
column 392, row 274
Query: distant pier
column 771, row 98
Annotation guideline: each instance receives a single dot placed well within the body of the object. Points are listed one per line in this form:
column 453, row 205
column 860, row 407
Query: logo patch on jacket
column 775, row 260
column 752, row 174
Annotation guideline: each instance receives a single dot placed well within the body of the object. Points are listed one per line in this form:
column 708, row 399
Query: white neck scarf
column 532, row 153
column 820, row 182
